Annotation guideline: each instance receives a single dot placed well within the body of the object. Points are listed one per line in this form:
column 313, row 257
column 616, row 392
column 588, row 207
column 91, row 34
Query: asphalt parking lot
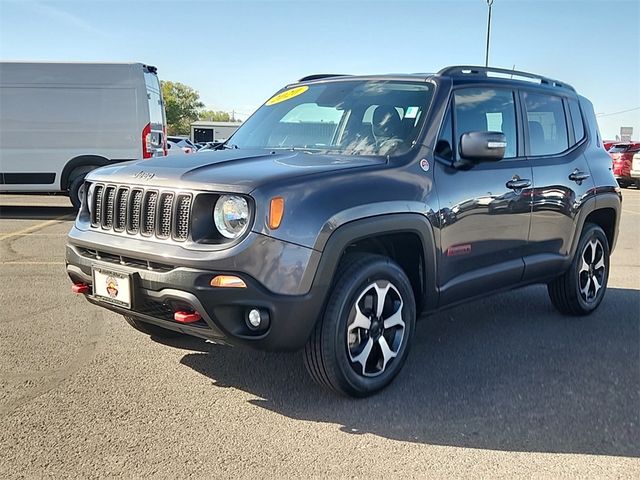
column 502, row 387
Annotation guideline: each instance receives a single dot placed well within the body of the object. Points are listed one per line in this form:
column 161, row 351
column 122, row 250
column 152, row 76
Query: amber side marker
column 276, row 212
column 227, row 281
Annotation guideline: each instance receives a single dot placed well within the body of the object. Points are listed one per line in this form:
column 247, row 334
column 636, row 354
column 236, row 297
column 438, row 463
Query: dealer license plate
column 112, row 287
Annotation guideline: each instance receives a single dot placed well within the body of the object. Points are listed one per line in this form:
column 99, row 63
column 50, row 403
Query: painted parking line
column 35, row 228
column 38, row 234
column 31, row 263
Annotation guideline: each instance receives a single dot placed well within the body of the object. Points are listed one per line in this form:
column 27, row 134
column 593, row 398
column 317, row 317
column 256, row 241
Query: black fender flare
column 81, row 164
column 353, row 231
column 598, row 202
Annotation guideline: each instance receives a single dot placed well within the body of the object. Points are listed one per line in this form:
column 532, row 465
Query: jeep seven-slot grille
column 149, row 212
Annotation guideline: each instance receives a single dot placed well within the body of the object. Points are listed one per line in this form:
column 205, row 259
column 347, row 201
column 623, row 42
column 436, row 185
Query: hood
column 237, row 171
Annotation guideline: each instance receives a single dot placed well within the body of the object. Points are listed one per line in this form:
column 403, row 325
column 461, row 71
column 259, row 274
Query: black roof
column 458, row 74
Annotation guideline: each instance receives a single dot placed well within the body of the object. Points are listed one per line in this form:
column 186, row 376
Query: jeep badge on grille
column 142, row 175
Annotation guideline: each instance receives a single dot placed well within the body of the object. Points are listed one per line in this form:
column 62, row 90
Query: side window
column 576, row 119
column 487, row 109
column 444, row 145
column 546, row 123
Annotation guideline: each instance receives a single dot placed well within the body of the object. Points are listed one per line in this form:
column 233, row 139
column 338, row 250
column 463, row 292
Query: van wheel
column 151, row 329
column 581, row 289
column 75, row 193
column 363, row 338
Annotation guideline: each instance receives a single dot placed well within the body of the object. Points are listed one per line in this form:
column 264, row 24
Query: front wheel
column 581, row 289
column 363, row 338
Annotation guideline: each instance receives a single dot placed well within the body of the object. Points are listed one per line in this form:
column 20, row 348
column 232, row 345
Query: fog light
column 257, row 320
column 254, row 318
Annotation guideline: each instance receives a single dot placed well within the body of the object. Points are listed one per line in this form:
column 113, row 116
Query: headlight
column 89, row 197
column 231, row 215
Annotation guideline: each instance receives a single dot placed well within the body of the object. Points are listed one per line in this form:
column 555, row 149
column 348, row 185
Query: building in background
column 626, row 133
column 206, row 131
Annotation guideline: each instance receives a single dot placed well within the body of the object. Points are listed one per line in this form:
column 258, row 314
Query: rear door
column 555, row 133
column 155, row 132
column 485, row 209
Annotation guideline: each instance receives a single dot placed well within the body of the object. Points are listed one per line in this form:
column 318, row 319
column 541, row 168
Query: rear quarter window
column 576, row 120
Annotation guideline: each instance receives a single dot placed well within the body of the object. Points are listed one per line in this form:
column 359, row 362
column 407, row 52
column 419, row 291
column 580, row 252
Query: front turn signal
column 276, row 212
column 227, row 281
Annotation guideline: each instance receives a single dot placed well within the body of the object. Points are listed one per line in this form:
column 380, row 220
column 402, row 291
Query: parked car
column 347, row 205
column 59, row 121
column 176, row 149
column 621, row 156
column 212, row 145
column 184, row 143
column 635, row 169
column 607, row 144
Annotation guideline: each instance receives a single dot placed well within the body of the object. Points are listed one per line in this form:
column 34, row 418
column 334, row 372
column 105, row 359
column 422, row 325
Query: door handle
column 578, row 176
column 517, row 183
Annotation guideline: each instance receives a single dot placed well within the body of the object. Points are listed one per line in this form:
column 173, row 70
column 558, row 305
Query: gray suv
column 348, row 205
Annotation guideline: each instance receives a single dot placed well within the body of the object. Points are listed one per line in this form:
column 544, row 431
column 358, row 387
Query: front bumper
column 158, row 290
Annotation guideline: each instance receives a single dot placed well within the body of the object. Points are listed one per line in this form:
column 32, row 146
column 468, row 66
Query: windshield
column 619, row 148
column 348, row 117
column 625, row 148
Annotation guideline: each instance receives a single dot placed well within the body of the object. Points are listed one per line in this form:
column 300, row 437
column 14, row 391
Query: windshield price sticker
column 286, row 95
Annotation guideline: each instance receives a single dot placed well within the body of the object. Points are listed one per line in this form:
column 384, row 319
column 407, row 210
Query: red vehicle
column 607, row 144
column 622, row 155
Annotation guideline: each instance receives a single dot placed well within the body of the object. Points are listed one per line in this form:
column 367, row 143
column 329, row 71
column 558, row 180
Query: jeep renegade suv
column 347, row 205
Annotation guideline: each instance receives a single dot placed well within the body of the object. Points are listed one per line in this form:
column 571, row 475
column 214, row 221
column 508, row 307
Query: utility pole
column 486, row 60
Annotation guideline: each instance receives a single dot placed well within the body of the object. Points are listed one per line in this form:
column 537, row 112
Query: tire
column 151, row 329
column 346, row 350
column 576, row 292
column 74, row 190
column 638, row 184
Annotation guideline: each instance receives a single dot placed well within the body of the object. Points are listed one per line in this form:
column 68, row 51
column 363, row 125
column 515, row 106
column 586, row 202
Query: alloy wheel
column 375, row 328
column 591, row 275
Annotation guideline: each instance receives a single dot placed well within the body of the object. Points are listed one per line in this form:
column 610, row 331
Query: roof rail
column 318, row 76
column 463, row 70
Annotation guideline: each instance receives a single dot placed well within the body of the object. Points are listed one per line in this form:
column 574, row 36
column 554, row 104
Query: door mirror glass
column 483, row 146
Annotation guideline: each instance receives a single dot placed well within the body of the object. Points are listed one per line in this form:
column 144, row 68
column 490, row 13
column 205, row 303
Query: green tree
column 181, row 105
column 214, row 116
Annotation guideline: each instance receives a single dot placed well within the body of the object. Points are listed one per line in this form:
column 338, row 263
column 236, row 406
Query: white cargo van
column 59, row 121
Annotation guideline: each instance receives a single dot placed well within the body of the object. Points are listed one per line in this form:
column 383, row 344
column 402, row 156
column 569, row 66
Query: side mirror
column 483, row 146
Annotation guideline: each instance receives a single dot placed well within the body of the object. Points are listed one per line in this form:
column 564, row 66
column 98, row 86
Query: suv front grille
column 148, row 212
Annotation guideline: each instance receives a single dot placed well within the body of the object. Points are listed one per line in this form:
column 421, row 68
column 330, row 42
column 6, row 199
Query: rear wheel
column 363, row 338
column 151, row 329
column 581, row 289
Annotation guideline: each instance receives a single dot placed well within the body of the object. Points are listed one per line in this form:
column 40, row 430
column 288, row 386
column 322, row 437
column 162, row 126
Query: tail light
column 164, row 140
column 147, row 150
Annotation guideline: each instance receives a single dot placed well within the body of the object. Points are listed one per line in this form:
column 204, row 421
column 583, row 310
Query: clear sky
column 237, row 53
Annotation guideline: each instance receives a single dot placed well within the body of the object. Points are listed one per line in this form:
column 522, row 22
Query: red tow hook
column 80, row 288
column 186, row 317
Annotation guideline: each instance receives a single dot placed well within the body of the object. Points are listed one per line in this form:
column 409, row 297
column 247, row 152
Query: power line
column 616, row 113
